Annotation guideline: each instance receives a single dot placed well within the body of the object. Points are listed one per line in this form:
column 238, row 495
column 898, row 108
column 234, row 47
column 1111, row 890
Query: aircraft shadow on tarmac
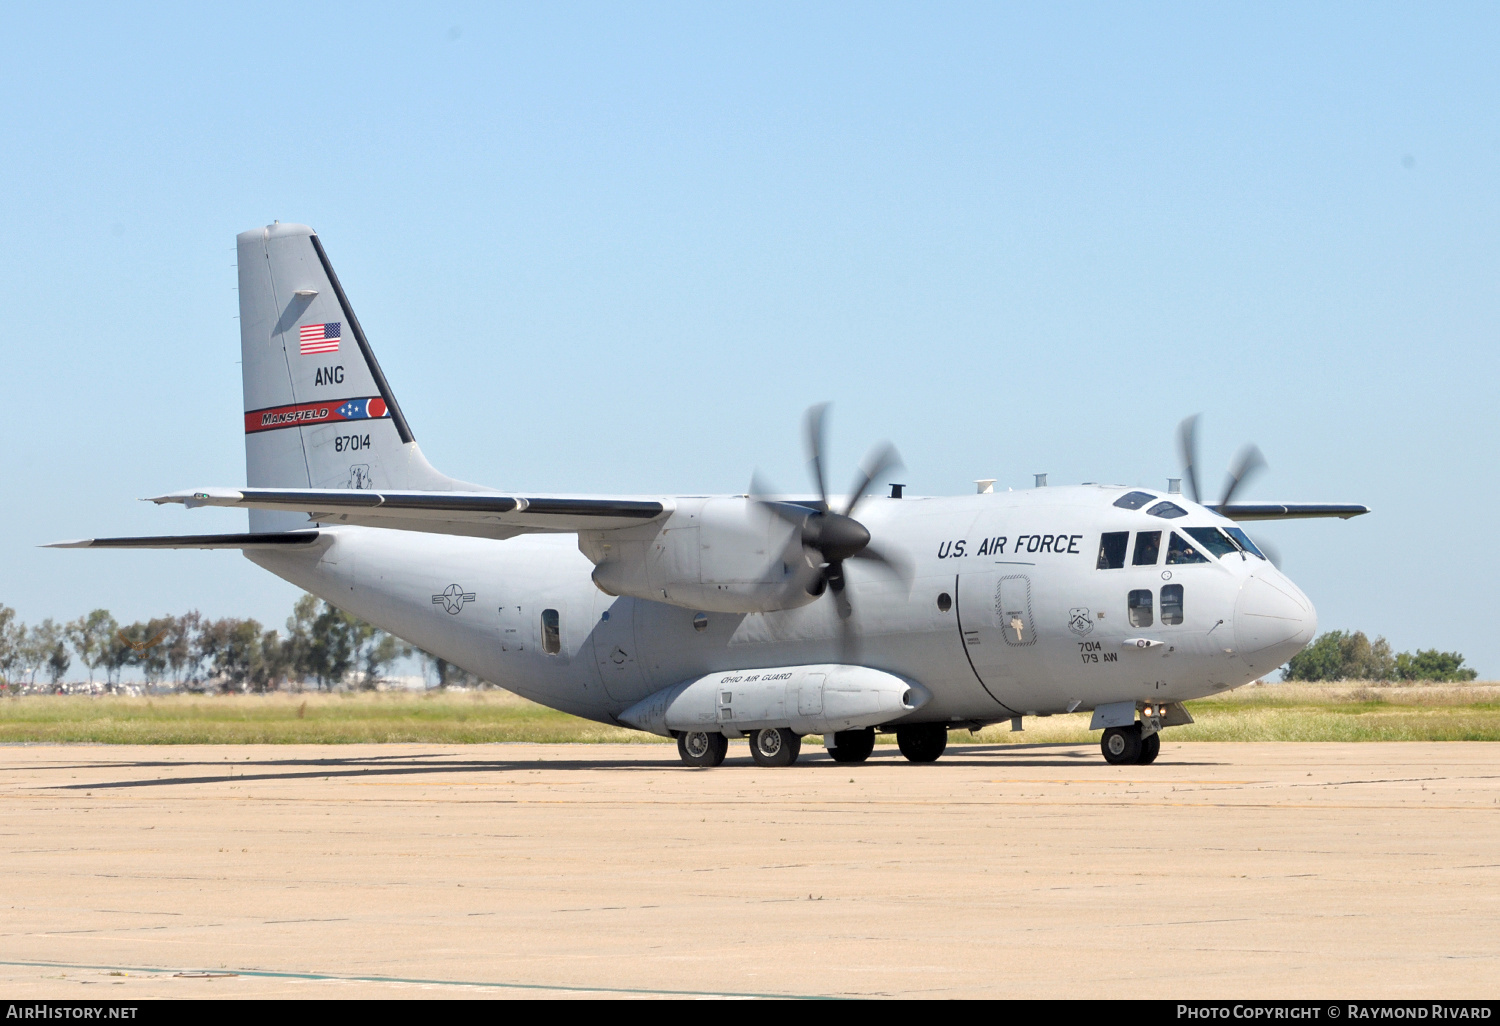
column 1031, row 756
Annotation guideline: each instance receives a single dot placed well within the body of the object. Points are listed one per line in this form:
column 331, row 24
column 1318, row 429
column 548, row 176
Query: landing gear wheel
column 1122, row 745
column 853, row 745
column 1150, row 749
column 922, row 742
column 702, row 747
column 774, row 746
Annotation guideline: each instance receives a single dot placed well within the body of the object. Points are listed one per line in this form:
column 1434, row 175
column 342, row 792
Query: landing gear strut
column 853, row 745
column 774, row 746
column 922, row 742
column 702, row 747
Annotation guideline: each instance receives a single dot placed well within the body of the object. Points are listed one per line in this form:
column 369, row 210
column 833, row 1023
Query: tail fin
column 318, row 411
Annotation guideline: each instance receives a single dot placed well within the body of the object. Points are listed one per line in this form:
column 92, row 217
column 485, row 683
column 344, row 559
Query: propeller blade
column 791, row 512
column 758, row 489
column 879, row 459
column 1248, row 463
column 1271, row 552
column 897, row 566
column 848, row 643
column 1187, row 449
column 815, row 415
column 848, row 640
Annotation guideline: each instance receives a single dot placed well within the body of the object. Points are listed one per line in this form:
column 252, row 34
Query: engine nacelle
column 722, row 555
column 817, row 699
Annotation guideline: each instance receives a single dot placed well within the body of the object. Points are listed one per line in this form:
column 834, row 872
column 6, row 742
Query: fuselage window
column 1245, row 542
column 1179, row 551
column 551, row 632
column 1147, row 548
column 1134, row 500
column 1167, row 510
column 1212, row 539
column 1171, row 604
column 1112, row 549
column 1140, row 608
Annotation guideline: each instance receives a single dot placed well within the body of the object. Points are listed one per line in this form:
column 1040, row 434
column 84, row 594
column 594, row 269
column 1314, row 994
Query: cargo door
column 996, row 628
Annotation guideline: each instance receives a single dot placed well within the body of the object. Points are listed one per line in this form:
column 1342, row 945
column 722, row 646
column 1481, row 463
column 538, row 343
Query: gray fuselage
column 1007, row 612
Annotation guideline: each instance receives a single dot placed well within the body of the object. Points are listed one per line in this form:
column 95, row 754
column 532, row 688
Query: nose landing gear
column 1124, row 746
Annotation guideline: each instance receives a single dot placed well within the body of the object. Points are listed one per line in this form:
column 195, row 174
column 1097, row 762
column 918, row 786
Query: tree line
column 322, row 644
column 1349, row 655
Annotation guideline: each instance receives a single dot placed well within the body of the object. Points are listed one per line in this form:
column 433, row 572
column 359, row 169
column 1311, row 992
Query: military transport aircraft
column 740, row 616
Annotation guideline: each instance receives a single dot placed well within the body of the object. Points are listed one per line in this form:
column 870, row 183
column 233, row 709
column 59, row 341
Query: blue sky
column 620, row 248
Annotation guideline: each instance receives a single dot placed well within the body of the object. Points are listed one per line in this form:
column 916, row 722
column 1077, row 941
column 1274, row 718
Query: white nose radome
column 1273, row 621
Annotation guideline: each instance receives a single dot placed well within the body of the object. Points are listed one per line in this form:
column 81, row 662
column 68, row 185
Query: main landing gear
column 702, row 747
column 1124, row 746
column 922, row 742
column 853, row 745
column 778, row 746
column 774, row 746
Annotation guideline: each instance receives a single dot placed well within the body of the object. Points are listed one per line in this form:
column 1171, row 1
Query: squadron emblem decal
column 1079, row 621
column 453, row 598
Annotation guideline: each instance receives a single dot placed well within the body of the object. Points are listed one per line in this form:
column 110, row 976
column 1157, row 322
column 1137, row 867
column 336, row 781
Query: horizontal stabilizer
column 1289, row 510
column 475, row 514
column 195, row 541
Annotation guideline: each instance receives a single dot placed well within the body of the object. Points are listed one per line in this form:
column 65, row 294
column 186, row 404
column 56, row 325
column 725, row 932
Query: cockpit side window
column 1167, row 510
column 1112, row 549
column 1179, row 551
column 1147, row 548
column 1212, row 539
column 1245, row 542
column 1140, row 608
column 1134, row 500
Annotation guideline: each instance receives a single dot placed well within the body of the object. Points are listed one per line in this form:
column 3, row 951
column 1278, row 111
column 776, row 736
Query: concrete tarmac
column 1224, row 870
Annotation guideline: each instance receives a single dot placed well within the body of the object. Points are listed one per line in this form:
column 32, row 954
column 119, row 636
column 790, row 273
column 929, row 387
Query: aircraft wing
column 280, row 540
column 1289, row 510
column 475, row 514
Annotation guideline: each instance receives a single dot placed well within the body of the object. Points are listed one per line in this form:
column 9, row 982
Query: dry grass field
column 1348, row 711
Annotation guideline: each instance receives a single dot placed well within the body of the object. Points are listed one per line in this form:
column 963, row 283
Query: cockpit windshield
column 1134, row 500
column 1167, row 510
column 1212, row 539
column 1245, row 542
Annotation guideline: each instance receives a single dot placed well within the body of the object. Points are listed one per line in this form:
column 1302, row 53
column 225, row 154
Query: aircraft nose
column 1273, row 621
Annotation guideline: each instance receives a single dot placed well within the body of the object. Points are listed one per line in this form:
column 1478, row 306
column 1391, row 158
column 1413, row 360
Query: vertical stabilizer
column 318, row 411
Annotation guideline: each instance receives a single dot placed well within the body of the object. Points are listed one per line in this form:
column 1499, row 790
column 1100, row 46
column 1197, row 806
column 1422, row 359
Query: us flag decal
column 320, row 338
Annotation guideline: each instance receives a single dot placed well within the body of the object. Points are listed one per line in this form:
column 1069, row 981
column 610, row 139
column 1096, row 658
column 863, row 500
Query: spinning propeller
column 1247, row 463
column 830, row 537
